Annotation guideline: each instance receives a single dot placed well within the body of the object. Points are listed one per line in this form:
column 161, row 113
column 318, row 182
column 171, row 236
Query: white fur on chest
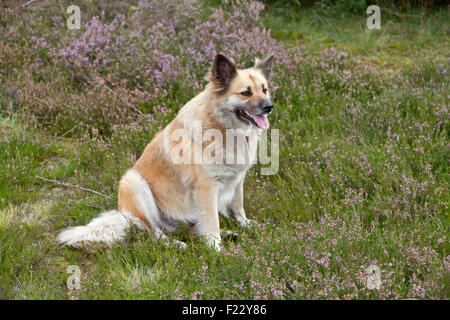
column 226, row 190
column 227, row 180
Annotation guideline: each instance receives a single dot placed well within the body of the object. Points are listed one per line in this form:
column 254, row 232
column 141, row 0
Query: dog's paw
column 180, row 245
column 230, row 234
column 214, row 243
column 245, row 222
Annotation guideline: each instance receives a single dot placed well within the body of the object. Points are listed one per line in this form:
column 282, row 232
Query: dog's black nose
column 268, row 108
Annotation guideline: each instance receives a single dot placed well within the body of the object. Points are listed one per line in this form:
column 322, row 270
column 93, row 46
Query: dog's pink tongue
column 261, row 121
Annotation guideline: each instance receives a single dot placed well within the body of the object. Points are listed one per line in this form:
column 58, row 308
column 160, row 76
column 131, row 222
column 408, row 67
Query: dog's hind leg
column 136, row 198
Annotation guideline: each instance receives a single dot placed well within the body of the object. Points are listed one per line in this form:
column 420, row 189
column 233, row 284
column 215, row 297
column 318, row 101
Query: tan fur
column 172, row 183
column 160, row 192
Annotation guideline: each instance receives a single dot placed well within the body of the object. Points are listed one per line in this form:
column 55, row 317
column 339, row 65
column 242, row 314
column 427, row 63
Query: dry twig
column 73, row 186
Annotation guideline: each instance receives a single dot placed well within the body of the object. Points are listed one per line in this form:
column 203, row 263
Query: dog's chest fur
column 228, row 176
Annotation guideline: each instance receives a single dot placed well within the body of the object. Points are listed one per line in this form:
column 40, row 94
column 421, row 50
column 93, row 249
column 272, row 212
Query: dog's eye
column 246, row 93
column 264, row 90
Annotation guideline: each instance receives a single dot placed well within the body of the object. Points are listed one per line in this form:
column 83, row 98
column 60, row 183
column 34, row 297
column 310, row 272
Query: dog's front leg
column 208, row 225
column 237, row 206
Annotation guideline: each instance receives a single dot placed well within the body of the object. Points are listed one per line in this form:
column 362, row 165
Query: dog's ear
column 222, row 72
column 265, row 66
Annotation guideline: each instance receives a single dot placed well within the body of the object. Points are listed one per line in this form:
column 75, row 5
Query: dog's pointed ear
column 223, row 71
column 265, row 66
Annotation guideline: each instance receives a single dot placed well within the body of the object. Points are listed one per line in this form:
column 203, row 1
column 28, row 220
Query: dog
column 158, row 193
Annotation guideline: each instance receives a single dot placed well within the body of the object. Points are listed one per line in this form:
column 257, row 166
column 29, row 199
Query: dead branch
column 73, row 186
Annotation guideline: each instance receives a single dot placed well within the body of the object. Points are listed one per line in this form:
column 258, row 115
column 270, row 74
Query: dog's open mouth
column 259, row 121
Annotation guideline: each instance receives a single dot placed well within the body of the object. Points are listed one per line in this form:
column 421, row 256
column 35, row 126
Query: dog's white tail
column 110, row 226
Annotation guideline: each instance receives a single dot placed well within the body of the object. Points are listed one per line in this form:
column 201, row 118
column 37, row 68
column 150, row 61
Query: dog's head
column 244, row 97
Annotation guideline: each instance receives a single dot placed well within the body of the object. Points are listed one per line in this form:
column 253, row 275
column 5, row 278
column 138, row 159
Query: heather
column 364, row 151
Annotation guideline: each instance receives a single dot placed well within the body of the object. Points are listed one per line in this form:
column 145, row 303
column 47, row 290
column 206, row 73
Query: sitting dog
column 161, row 190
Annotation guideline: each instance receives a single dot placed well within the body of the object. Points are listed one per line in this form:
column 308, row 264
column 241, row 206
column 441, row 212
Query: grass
column 363, row 180
column 404, row 38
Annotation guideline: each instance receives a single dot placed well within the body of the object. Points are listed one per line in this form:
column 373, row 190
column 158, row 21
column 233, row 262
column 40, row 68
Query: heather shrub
column 150, row 58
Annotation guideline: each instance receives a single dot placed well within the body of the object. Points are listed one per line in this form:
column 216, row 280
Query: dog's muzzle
column 267, row 107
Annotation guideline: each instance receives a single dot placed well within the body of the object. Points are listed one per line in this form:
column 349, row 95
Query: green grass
column 363, row 180
column 404, row 38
